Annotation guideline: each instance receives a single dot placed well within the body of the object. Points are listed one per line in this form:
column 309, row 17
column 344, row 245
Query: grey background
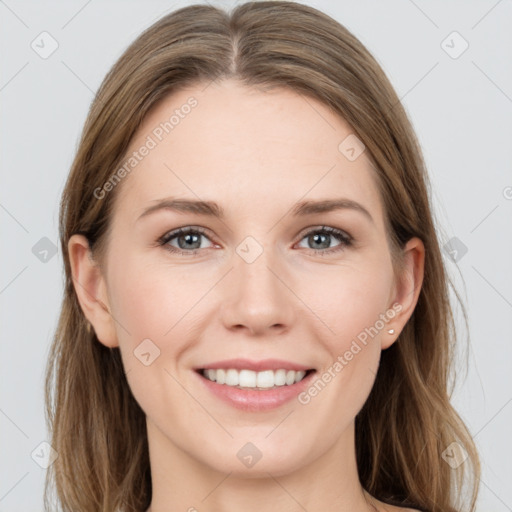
column 461, row 109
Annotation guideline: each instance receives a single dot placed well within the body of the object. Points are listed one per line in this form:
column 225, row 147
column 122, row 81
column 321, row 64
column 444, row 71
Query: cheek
column 354, row 300
column 355, row 309
column 148, row 305
column 150, row 299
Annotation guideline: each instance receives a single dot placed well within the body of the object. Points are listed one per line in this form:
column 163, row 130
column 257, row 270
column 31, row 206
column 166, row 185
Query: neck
column 329, row 482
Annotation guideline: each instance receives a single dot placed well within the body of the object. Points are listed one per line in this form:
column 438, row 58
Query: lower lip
column 252, row 400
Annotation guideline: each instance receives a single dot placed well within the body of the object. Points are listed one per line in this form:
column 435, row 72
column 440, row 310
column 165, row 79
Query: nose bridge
column 256, row 296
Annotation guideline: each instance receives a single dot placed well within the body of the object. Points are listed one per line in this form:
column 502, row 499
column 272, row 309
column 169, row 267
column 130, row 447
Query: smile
column 254, row 386
column 249, row 379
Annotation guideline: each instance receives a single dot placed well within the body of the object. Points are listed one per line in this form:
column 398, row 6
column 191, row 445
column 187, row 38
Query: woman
column 256, row 312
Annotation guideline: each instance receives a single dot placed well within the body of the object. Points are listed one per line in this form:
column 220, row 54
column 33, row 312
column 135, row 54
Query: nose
column 257, row 297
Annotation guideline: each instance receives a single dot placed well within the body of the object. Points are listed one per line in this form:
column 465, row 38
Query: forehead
column 243, row 147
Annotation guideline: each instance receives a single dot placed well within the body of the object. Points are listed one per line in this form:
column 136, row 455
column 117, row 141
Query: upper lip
column 257, row 366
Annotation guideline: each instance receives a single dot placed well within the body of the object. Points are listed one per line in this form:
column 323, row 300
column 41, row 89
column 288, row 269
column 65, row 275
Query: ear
column 406, row 290
column 91, row 290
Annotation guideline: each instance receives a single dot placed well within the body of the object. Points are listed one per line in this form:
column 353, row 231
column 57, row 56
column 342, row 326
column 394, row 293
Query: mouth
column 255, row 385
column 250, row 379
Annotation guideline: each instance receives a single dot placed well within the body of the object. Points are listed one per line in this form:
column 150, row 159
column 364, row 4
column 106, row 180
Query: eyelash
column 344, row 239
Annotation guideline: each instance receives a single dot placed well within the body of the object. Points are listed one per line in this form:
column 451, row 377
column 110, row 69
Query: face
column 258, row 277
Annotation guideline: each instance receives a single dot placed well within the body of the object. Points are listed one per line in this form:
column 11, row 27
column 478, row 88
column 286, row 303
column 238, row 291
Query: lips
column 256, row 366
column 252, row 399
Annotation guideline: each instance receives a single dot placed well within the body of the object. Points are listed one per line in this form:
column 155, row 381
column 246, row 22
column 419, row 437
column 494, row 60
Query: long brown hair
column 407, row 423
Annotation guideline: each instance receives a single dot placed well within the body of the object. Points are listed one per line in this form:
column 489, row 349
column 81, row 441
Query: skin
column 256, row 154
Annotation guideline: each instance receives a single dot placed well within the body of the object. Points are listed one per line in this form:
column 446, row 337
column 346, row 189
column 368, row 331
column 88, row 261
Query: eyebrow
column 212, row 209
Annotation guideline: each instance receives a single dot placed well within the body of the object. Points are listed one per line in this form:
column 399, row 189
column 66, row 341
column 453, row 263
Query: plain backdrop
column 457, row 90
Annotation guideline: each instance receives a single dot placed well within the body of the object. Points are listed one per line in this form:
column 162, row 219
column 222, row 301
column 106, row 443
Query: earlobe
column 407, row 290
column 90, row 289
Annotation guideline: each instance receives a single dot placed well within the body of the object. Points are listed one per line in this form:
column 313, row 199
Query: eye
column 188, row 240
column 320, row 240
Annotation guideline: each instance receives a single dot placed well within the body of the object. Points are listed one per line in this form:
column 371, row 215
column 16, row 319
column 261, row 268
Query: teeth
column 256, row 380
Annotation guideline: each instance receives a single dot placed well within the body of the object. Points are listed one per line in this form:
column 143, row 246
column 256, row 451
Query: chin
column 257, row 460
